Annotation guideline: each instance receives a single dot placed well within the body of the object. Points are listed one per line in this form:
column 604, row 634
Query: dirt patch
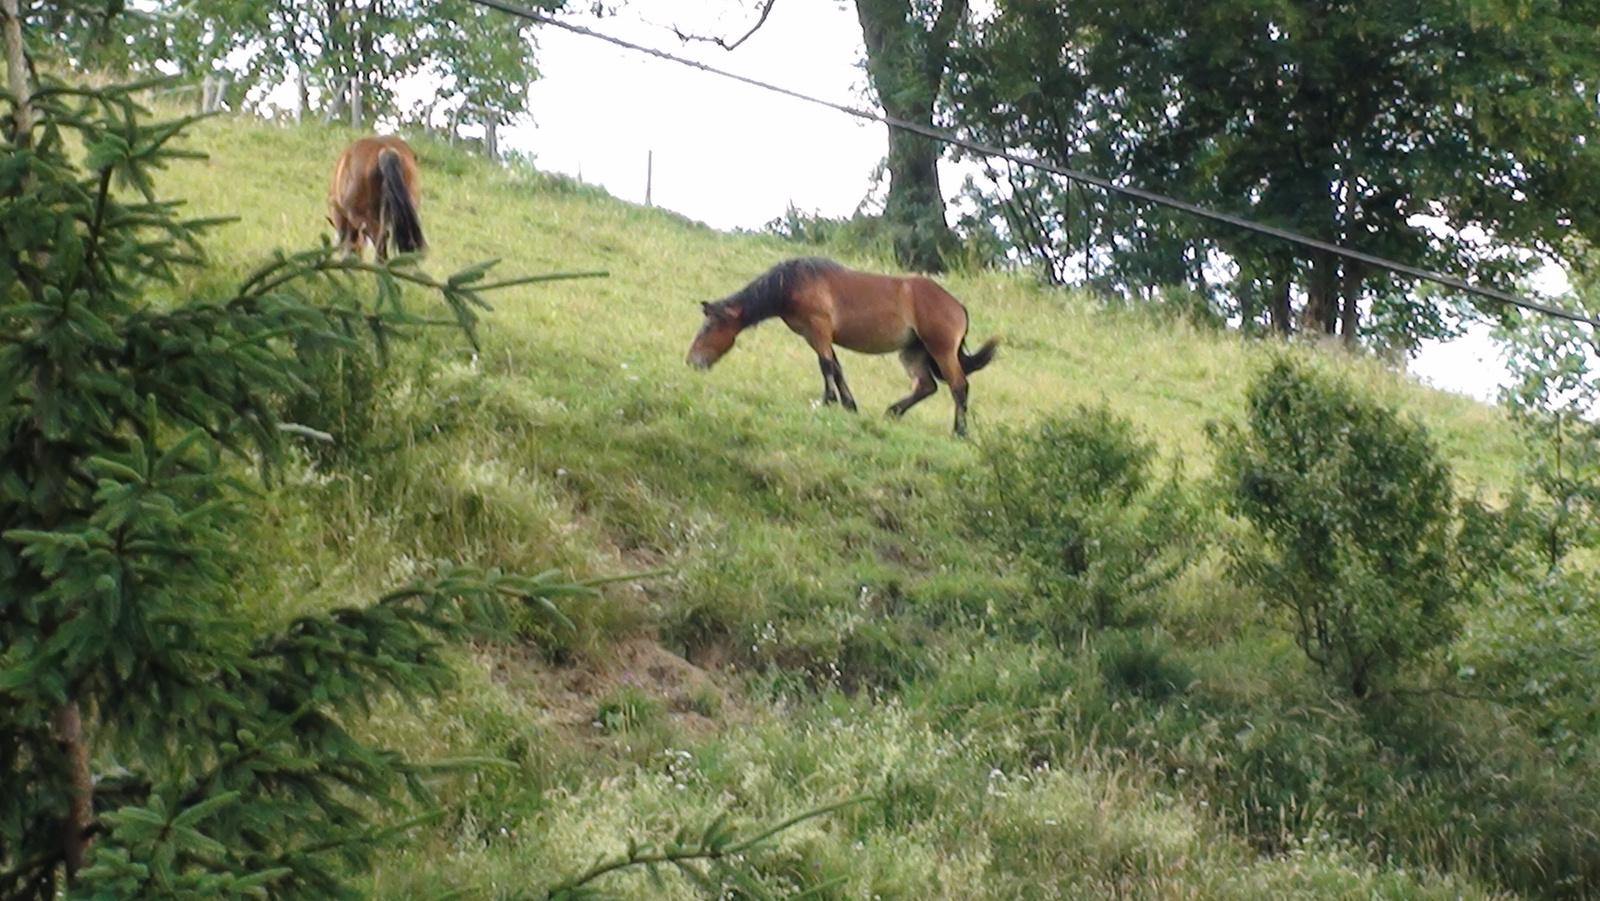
column 572, row 693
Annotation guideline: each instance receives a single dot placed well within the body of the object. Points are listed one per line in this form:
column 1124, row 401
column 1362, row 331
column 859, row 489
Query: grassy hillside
column 820, row 623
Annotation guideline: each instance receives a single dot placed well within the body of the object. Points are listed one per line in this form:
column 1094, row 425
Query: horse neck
column 756, row 304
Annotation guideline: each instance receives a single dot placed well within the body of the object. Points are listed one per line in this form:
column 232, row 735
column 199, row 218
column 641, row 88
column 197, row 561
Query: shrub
column 1074, row 499
column 860, row 233
column 1134, row 664
column 1351, row 517
column 341, row 386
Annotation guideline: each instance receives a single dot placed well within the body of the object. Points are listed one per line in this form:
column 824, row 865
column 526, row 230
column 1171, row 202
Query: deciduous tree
column 344, row 50
column 908, row 45
column 1352, row 524
column 1347, row 123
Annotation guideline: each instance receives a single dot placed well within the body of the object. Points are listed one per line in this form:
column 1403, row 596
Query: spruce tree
column 152, row 744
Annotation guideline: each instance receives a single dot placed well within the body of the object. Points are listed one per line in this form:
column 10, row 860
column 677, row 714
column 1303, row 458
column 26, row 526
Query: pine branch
column 715, row 844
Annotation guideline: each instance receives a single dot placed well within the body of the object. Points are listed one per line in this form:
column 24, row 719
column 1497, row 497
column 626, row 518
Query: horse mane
column 769, row 295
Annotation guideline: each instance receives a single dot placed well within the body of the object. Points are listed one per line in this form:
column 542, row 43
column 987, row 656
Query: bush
column 339, row 399
column 860, row 233
column 1351, row 513
column 1134, row 664
column 1073, row 497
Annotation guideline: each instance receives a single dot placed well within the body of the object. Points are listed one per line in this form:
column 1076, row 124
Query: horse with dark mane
column 827, row 304
column 373, row 197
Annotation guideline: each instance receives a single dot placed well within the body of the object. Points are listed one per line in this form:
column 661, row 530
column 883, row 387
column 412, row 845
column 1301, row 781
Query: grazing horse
column 827, row 304
column 373, row 197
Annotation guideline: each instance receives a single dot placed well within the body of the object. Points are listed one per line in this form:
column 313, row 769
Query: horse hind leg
column 923, row 384
column 950, row 366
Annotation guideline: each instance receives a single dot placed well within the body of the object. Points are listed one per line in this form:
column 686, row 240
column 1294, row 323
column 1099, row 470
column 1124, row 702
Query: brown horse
column 373, row 197
column 827, row 304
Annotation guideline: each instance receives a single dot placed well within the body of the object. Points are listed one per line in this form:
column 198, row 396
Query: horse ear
column 706, row 308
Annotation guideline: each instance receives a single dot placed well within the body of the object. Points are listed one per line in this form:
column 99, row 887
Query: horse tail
column 399, row 213
column 971, row 363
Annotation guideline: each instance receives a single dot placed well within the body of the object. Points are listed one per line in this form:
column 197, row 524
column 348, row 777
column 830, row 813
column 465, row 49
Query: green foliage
column 859, row 235
column 1351, row 513
column 481, row 58
column 1230, row 107
column 226, row 765
column 1536, row 649
column 1552, row 393
column 1074, row 497
column 91, row 35
column 1535, row 645
column 339, row 400
column 1138, row 665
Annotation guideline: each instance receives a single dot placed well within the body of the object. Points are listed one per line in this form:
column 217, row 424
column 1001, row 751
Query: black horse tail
column 971, row 363
column 398, row 213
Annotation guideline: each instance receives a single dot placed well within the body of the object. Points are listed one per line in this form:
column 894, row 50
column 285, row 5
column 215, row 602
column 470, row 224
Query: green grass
column 849, row 630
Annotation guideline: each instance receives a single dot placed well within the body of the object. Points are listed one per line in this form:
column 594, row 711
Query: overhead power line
column 1071, row 174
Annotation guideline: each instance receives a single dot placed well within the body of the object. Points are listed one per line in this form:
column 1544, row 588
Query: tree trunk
column 17, row 73
column 1282, row 312
column 1350, row 316
column 906, row 65
column 1322, row 311
column 80, row 812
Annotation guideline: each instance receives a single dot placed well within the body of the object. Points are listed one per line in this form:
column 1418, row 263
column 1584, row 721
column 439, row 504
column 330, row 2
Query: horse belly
column 864, row 330
column 873, row 336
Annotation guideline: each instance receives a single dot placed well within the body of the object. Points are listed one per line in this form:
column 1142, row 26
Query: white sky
column 735, row 156
column 728, row 154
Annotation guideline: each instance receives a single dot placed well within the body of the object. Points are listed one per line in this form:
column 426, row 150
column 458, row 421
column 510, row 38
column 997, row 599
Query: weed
column 627, row 710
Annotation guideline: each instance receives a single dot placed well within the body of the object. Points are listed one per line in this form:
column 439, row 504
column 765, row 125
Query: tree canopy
column 1354, row 124
column 348, row 50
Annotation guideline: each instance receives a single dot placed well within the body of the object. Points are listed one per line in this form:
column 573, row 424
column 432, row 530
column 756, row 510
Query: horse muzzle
column 699, row 361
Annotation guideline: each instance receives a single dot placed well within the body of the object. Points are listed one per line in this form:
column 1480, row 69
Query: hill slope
column 820, row 624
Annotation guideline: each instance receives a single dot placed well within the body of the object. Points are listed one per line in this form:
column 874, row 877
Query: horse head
column 716, row 335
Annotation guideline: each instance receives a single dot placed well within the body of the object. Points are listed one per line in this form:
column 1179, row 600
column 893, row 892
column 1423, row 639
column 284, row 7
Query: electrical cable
column 1070, row 174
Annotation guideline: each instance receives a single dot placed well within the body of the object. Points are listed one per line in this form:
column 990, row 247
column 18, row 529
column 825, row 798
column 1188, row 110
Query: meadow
column 800, row 608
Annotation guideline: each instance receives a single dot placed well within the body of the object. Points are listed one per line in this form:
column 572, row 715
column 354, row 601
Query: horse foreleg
column 830, row 394
column 349, row 238
column 834, row 387
column 845, row 397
